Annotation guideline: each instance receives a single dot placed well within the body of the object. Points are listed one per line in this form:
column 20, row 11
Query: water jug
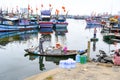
column 62, row 64
column 77, row 58
column 73, row 64
column 68, row 64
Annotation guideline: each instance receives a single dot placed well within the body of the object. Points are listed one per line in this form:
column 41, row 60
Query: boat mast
column 28, row 11
column 111, row 7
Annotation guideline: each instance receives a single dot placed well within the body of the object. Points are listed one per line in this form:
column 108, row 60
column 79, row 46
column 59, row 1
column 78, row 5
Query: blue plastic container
column 77, row 58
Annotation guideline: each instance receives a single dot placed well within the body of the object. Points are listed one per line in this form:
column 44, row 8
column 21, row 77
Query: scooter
column 103, row 57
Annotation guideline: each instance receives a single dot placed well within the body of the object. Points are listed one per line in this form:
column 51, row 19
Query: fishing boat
column 55, row 52
column 16, row 24
column 46, row 27
column 60, row 26
column 92, row 26
column 113, row 25
column 77, row 17
column 111, row 38
column 93, row 20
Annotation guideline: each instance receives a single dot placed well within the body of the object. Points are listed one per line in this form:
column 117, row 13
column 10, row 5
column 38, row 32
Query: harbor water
column 16, row 64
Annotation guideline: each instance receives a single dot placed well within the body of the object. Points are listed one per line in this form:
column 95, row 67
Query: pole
column 88, row 51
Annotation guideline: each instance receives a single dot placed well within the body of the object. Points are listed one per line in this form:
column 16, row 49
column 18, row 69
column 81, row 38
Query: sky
column 75, row 7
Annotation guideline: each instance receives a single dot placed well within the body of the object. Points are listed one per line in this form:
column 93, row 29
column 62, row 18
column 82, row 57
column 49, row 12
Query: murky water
column 15, row 64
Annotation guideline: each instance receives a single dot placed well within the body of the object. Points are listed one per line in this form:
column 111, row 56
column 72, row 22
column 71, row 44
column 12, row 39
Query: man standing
column 95, row 31
column 41, row 40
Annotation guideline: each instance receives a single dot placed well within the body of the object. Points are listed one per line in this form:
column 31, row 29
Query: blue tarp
column 46, row 12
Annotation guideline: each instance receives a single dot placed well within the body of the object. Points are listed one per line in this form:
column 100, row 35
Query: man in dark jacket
column 41, row 40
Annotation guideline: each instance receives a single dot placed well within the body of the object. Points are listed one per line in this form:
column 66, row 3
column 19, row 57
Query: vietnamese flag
column 63, row 7
column 50, row 5
column 41, row 5
column 28, row 7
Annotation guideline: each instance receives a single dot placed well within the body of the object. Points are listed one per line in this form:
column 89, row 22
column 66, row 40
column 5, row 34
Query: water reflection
column 41, row 64
column 47, row 40
column 61, row 39
column 7, row 37
column 46, row 37
column 55, row 60
column 94, row 45
column 32, row 57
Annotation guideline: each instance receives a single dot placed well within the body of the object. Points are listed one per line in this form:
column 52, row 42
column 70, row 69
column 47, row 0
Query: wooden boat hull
column 46, row 27
column 46, row 24
column 61, row 27
column 8, row 28
column 46, row 30
column 53, row 55
column 69, row 53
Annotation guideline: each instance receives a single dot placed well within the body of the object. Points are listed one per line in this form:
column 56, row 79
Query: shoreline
column 88, row 71
column 44, row 75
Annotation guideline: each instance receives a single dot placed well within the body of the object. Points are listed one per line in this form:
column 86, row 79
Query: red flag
column 41, row 5
column 63, row 7
column 57, row 11
column 28, row 7
column 50, row 5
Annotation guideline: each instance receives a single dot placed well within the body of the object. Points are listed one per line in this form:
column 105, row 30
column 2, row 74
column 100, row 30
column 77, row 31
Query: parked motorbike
column 104, row 58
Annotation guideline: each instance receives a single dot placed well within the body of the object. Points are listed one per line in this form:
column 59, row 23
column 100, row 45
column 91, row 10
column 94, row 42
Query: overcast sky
column 81, row 7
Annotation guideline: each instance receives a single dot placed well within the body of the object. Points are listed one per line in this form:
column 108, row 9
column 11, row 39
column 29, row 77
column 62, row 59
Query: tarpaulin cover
column 46, row 12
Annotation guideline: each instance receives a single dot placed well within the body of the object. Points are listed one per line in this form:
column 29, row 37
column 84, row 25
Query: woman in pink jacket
column 116, row 59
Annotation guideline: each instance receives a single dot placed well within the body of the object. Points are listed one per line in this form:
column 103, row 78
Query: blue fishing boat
column 46, row 27
column 92, row 26
column 61, row 25
column 16, row 24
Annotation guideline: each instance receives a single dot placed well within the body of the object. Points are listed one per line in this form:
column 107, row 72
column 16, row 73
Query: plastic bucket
column 83, row 59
